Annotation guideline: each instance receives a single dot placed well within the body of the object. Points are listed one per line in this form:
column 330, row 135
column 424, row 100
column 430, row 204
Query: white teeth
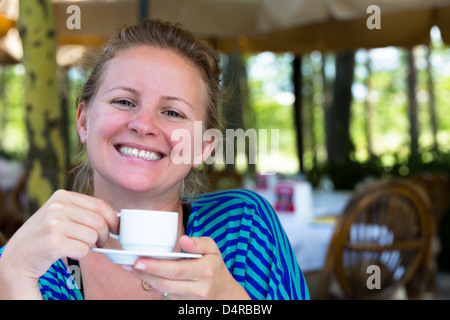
column 133, row 152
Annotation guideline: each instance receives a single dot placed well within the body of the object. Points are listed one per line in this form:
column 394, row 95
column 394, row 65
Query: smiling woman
column 207, row 69
column 141, row 119
column 150, row 81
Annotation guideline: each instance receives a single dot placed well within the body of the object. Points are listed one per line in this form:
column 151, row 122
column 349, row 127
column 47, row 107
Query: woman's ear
column 82, row 122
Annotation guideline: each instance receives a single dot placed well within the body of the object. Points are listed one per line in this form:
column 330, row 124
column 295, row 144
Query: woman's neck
column 119, row 199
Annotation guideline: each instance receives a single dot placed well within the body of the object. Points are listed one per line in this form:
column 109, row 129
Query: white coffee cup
column 147, row 230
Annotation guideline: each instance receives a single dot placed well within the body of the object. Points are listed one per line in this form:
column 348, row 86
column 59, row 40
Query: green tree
column 337, row 122
column 46, row 161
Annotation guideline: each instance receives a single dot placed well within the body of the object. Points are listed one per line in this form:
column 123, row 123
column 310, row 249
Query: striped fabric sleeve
column 252, row 241
column 58, row 283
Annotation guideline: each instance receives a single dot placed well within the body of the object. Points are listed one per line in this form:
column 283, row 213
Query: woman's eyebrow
column 137, row 93
column 133, row 91
column 177, row 99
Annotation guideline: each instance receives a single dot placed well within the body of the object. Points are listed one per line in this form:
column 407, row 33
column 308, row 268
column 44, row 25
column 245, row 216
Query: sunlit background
column 271, row 99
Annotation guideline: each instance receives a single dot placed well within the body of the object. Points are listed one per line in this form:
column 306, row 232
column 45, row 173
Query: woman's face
column 146, row 94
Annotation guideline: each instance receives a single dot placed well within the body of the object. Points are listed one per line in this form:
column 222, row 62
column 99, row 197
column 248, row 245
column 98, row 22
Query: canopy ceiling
column 341, row 24
column 258, row 25
column 274, row 25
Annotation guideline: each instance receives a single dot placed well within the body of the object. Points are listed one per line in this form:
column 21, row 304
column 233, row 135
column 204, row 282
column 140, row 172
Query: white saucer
column 129, row 257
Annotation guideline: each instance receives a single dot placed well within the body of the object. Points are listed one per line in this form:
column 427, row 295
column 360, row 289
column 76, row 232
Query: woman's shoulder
column 238, row 203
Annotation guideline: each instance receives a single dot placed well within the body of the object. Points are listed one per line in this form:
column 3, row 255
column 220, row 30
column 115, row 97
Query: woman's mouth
column 138, row 153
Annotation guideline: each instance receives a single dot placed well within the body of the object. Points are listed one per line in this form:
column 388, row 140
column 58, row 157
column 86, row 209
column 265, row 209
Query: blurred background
column 358, row 90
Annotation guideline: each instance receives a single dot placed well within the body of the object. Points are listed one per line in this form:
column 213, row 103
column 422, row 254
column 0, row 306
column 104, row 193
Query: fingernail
column 127, row 267
column 140, row 266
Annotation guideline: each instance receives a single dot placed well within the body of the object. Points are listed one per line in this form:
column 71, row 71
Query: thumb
column 203, row 245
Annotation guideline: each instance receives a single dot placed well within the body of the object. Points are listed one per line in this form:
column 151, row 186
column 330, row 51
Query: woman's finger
column 92, row 220
column 82, row 233
column 202, row 245
column 91, row 204
column 186, row 269
column 177, row 289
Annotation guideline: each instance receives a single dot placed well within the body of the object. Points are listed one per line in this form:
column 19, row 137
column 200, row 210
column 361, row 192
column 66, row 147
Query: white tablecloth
column 310, row 239
column 309, row 242
column 330, row 203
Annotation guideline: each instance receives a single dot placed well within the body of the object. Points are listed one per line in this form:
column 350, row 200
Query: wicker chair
column 12, row 210
column 437, row 186
column 387, row 225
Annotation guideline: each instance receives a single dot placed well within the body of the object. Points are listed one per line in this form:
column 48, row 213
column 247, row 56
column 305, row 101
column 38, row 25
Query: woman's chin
column 137, row 187
column 140, row 186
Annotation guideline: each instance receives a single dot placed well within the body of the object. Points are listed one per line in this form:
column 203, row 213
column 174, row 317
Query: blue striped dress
column 249, row 235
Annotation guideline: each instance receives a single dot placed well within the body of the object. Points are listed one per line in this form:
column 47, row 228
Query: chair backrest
column 12, row 208
column 385, row 232
column 437, row 186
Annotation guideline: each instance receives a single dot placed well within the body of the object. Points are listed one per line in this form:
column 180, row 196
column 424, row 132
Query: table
column 310, row 239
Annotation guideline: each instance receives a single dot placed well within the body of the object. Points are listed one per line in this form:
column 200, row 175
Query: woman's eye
column 172, row 113
column 124, row 103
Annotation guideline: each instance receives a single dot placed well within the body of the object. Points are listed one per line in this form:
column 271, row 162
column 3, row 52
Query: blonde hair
column 162, row 35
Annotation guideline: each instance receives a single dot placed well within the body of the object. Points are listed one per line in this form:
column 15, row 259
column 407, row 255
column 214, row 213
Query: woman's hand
column 202, row 278
column 69, row 224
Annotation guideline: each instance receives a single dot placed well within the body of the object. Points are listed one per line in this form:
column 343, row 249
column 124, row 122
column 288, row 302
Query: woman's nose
column 144, row 123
